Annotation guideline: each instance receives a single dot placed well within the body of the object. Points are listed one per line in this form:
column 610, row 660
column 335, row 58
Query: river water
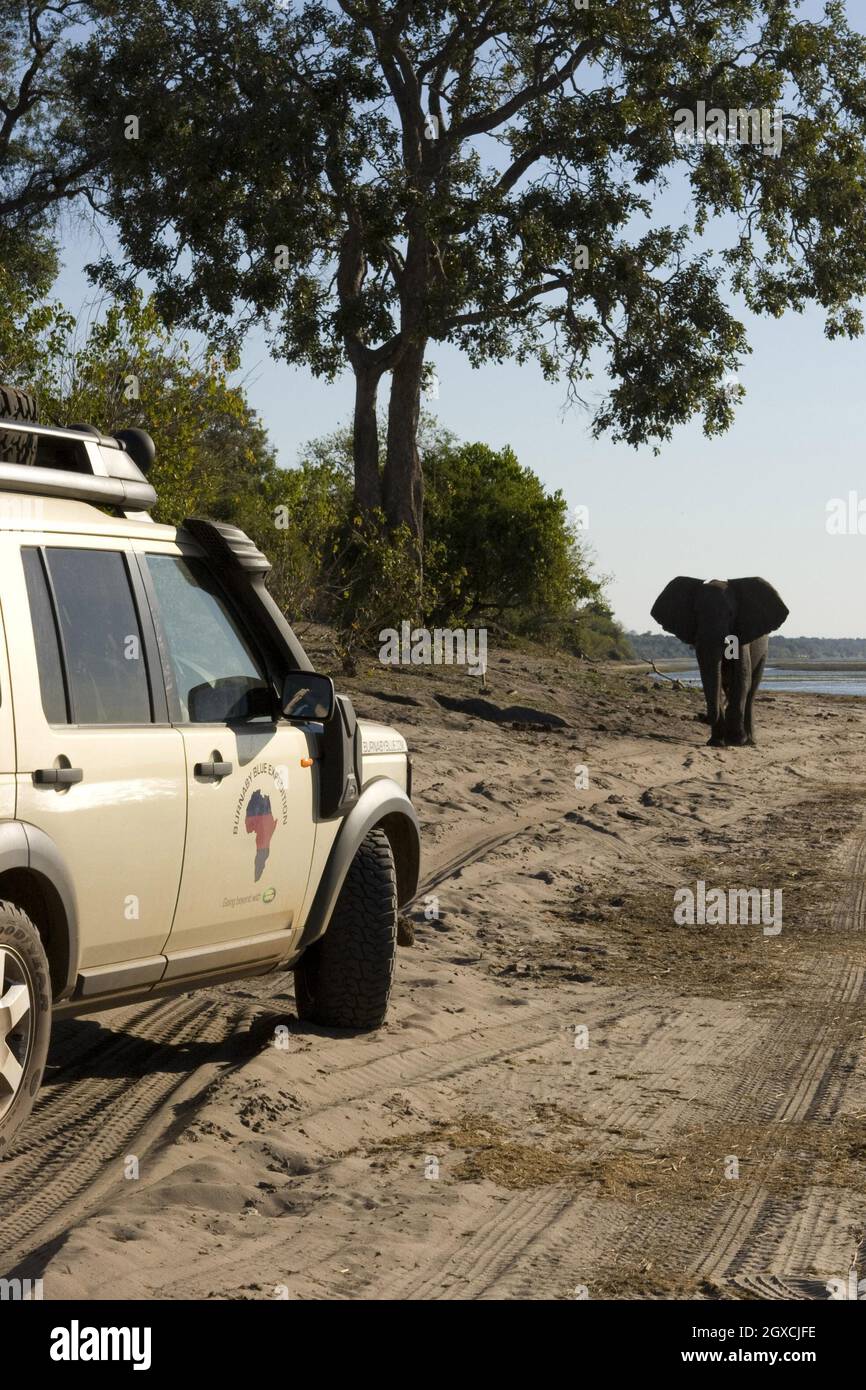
column 818, row 680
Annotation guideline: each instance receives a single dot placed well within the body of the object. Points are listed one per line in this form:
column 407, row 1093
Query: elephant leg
column 710, row 664
column 736, row 678
column 759, row 657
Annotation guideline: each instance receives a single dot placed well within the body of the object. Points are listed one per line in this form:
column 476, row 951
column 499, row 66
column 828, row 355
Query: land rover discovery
column 183, row 800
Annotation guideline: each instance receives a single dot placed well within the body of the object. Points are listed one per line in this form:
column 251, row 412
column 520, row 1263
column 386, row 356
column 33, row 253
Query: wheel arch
column 382, row 805
column 405, row 843
column 34, row 876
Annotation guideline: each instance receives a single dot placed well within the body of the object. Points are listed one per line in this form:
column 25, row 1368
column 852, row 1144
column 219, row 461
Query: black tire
column 344, row 979
column 21, row 407
column 17, row 405
column 25, row 1042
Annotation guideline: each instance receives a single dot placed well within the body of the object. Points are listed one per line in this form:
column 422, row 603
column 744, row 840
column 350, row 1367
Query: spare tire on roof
column 19, row 406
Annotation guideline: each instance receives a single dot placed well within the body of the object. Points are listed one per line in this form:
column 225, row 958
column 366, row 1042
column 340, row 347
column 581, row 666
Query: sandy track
column 301, row 1168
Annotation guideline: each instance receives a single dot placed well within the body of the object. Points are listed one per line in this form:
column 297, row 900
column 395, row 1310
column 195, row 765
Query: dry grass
column 645, row 1279
column 694, row 1166
column 490, row 1152
column 628, row 936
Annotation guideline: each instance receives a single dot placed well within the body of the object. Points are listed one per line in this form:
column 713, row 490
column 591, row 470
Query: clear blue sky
column 753, row 502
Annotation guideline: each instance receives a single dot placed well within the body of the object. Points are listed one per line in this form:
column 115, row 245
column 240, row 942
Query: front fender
column 381, row 803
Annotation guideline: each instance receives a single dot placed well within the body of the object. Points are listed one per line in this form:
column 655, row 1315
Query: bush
column 508, row 546
column 596, row 634
column 498, row 549
column 299, row 517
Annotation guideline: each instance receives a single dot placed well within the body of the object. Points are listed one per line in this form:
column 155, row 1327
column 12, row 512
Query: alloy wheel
column 16, row 1025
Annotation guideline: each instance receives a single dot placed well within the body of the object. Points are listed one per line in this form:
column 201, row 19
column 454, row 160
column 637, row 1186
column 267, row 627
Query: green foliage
column 32, row 328
column 124, row 368
column 299, row 519
column 379, row 584
column 498, row 548
column 510, row 549
column 655, row 646
column 365, row 179
column 42, row 163
column 817, row 648
column 597, row 635
column 305, row 126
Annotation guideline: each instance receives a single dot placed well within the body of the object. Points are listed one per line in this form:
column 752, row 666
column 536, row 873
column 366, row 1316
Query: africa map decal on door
column 260, row 822
column 257, row 811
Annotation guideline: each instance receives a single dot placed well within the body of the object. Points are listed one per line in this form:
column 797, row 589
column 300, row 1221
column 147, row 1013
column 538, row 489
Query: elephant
column 707, row 615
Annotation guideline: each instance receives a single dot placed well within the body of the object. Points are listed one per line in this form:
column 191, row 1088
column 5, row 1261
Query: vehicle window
column 217, row 676
column 45, row 636
column 100, row 637
column 43, row 451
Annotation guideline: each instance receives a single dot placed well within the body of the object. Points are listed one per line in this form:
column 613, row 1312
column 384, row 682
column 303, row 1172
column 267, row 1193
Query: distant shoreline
column 804, row 664
column 681, row 663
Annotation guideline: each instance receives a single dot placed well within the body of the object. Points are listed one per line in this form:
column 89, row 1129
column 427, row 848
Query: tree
column 498, row 548
column 32, row 327
column 372, row 177
column 42, row 165
column 125, row 368
column 42, row 169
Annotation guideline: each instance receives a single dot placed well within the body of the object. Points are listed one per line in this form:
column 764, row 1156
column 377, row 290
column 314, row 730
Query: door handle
column 212, row 772
column 57, row 776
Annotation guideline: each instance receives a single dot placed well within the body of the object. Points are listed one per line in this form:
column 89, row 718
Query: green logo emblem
column 269, row 895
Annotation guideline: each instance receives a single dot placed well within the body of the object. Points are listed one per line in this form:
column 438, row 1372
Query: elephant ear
column 759, row 608
column 674, row 609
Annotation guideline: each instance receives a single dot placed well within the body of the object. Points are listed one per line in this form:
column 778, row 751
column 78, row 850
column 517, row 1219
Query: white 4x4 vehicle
column 183, row 800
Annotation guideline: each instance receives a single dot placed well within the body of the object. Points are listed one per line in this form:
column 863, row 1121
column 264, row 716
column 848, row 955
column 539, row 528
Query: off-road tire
column 344, row 979
column 19, row 406
column 22, row 961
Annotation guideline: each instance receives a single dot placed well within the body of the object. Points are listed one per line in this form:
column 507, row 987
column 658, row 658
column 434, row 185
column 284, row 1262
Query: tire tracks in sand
column 136, row 1088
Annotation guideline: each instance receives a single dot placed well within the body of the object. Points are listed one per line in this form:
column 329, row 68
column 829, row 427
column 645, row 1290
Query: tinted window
column 45, row 637
column 100, row 637
column 216, row 674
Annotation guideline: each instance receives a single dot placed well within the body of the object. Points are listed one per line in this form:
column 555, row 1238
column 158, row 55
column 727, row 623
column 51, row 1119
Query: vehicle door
column 250, row 821
column 100, row 769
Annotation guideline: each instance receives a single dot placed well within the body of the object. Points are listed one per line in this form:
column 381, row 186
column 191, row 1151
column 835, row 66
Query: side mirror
column 308, row 696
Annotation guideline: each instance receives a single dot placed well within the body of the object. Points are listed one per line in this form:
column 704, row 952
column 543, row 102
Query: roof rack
column 79, row 463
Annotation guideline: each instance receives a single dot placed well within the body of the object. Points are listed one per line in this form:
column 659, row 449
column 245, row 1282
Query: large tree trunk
column 403, row 484
column 365, row 441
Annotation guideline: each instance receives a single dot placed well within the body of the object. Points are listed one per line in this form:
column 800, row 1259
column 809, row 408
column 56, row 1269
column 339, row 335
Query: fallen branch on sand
column 677, row 684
